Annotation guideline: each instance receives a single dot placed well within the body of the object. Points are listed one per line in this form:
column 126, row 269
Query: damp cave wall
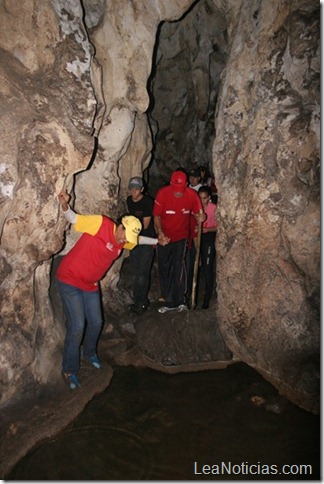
column 75, row 72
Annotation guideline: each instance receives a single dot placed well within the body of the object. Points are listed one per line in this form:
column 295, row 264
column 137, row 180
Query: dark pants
column 207, row 255
column 190, row 265
column 172, row 272
column 141, row 258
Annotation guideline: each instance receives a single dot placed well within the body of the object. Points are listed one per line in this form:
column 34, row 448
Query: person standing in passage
column 173, row 207
column 195, row 179
column 207, row 244
column 205, row 176
column 141, row 257
column 78, row 276
column 208, row 179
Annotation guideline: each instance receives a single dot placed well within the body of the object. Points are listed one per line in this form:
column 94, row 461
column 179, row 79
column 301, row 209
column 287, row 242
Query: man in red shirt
column 78, row 277
column 173, row 207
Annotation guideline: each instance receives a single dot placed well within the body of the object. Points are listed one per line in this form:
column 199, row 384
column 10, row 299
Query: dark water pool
column 219, row 425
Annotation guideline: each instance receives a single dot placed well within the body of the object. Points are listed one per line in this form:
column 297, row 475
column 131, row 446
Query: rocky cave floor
column 45, row 411
column 159, row 426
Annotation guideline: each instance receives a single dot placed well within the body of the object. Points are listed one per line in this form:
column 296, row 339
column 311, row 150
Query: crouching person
column 78, row 276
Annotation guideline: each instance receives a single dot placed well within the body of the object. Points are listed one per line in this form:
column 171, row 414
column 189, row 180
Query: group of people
column 181, row 218
column 175, row 215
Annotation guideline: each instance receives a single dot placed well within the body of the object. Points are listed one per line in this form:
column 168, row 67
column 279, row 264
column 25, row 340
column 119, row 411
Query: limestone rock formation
column 266, row 160
column 47, row 111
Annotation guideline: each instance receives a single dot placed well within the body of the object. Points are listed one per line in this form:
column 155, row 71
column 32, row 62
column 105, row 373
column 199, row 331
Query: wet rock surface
column 192, row 337
column 155, row 426
column 45, row 410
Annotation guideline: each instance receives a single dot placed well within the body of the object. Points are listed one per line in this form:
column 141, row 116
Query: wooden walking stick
column 195, row 274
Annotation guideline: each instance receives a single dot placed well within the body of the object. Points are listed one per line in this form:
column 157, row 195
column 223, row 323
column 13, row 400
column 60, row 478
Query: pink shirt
column 210, row 211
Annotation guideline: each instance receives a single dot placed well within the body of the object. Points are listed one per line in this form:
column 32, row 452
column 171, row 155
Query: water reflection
column 153, row 426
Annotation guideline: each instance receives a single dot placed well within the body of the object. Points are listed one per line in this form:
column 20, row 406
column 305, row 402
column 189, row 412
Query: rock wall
column 56, row 95
column 266, row 161
column 47, row 108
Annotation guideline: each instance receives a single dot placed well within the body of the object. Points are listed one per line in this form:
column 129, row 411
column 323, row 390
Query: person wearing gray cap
column 141, row 206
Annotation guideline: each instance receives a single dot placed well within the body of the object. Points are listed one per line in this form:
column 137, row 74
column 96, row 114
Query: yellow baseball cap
column 132, row 227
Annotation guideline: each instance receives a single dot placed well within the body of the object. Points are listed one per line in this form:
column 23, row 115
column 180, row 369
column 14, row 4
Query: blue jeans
column 83, row 322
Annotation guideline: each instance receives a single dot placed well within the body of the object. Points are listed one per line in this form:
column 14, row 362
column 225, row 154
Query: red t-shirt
column 175, row 211
column 92, row 255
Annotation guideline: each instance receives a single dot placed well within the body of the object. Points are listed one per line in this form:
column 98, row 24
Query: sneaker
column 164, row 309
column 94, row 360
column 182, row 307
column 71, row 380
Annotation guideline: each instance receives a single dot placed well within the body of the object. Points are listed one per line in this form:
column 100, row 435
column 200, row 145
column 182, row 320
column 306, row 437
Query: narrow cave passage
column 187, row 65
column 184, row 86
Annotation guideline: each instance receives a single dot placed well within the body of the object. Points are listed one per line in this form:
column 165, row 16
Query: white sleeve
column 70, row 215
column 143, row 240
